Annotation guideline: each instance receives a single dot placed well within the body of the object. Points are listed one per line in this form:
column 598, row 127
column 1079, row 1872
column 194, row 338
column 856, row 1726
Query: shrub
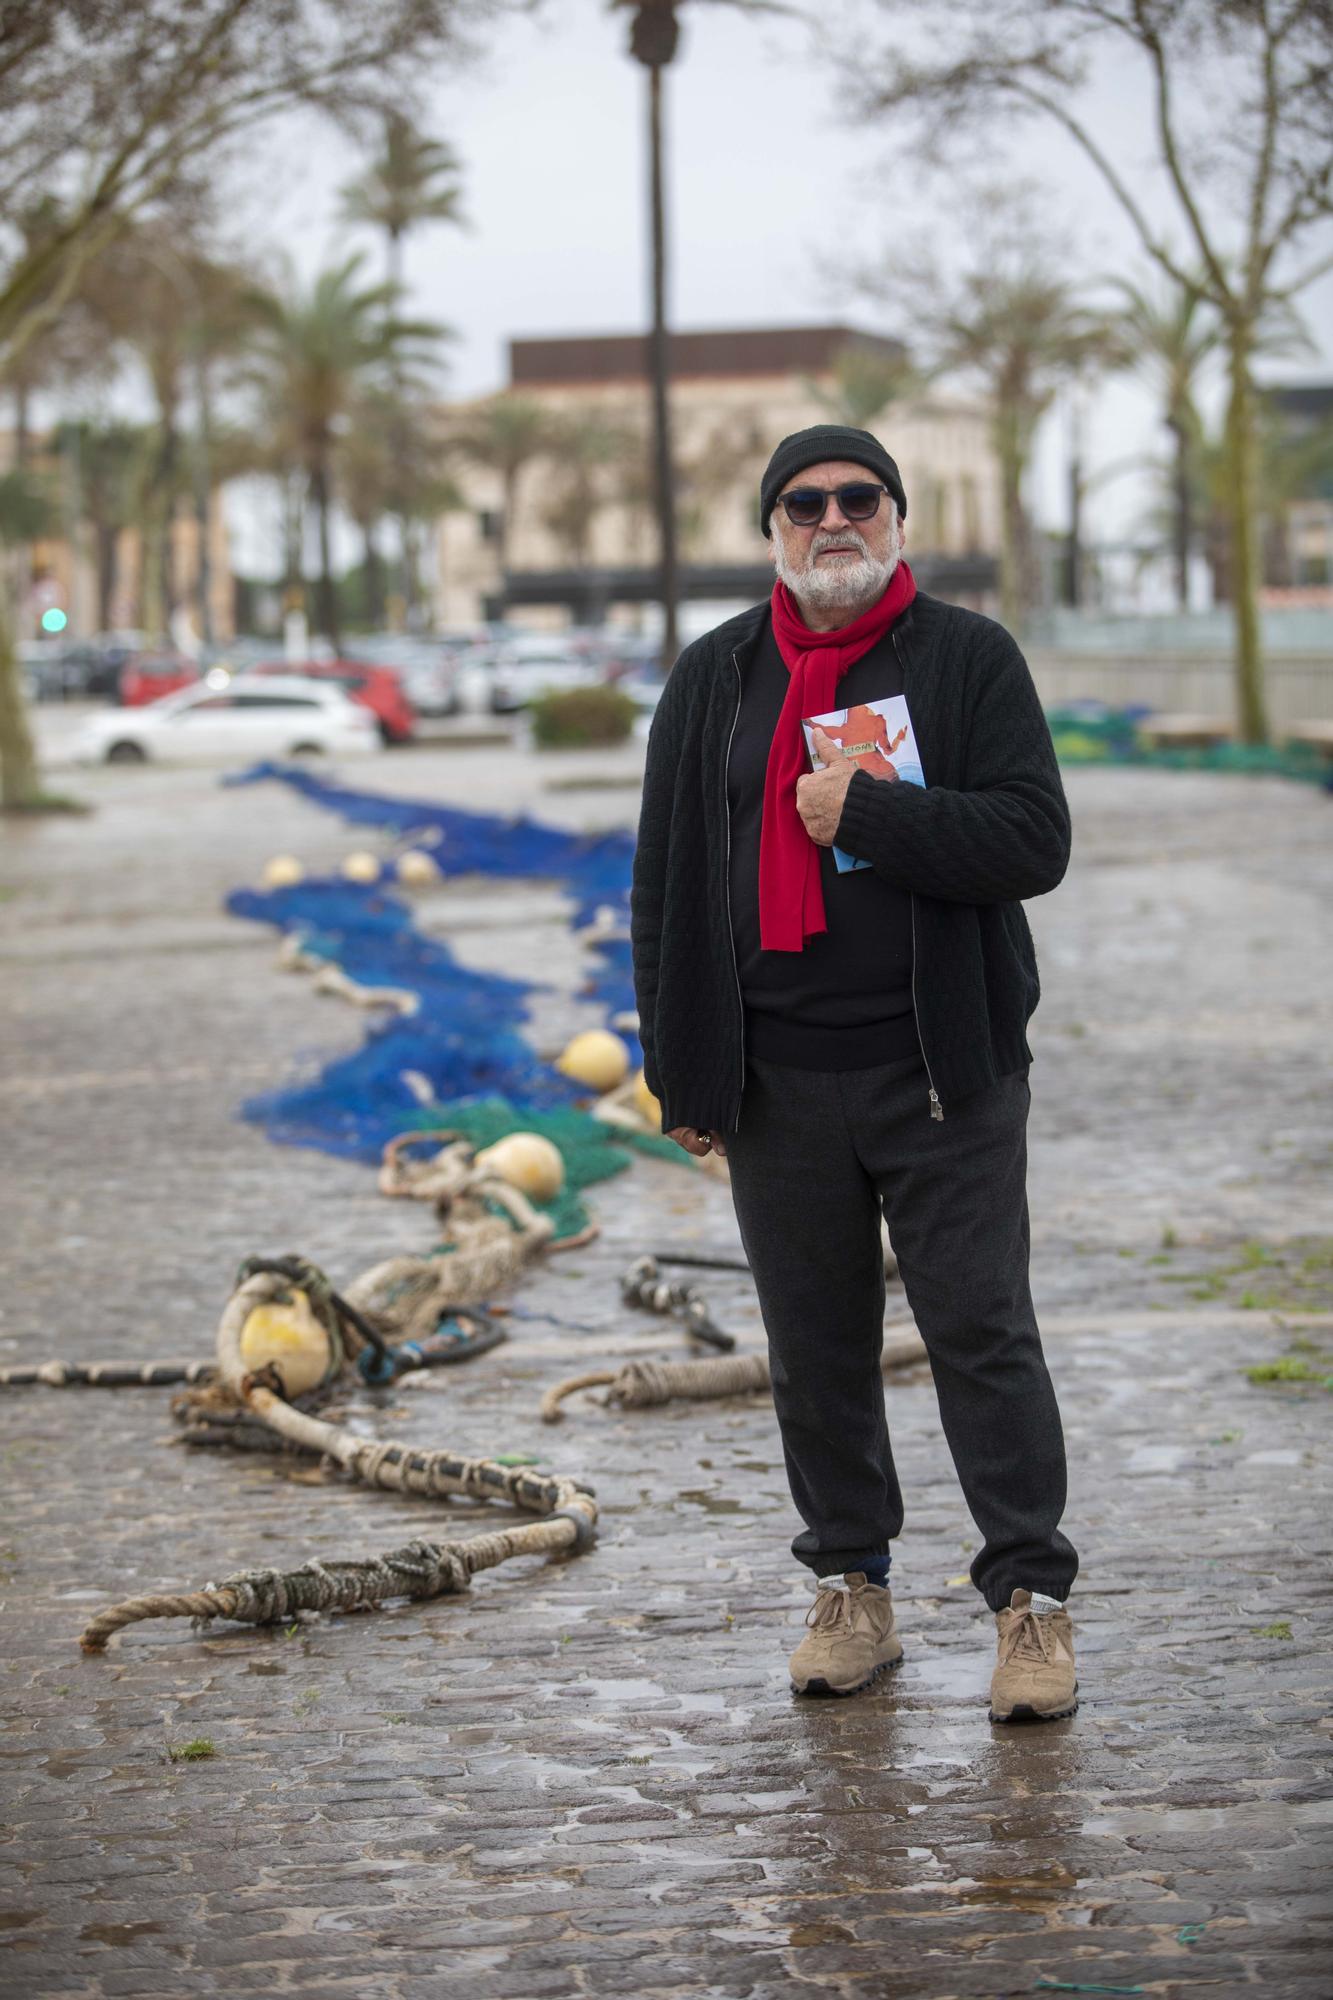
column 581, row 718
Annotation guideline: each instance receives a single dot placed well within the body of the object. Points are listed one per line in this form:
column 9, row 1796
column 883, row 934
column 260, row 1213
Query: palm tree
column 1013, row 322
column 865, row 382
column 414, row 180
column 589, row 450
column 323, row 348
column 113, row 459
column 505, row 434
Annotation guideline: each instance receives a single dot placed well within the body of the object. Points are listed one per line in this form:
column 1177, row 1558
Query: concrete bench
column 1186, row 732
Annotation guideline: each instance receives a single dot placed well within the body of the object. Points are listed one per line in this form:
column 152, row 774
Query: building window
column 489, row 521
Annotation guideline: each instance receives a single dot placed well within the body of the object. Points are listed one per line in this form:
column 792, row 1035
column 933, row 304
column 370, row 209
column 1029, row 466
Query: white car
column 253, row 716
column 523, row 676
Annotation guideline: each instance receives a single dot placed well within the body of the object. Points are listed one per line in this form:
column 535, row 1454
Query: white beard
column 849, row 586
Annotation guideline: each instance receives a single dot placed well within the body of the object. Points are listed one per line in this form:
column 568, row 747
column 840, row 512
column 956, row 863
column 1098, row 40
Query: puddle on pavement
column 812, row 1934
column 14, row 1920
column 1039, row 1893
column 712, row 1503
column 118, row 1933
column 68, row 1763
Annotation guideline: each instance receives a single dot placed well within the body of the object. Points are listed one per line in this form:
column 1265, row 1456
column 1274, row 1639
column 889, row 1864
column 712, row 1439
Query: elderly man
column 852, row 1039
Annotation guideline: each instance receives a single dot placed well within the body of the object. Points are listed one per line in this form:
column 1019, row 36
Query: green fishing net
column 1083, row 736
column 590, row 1150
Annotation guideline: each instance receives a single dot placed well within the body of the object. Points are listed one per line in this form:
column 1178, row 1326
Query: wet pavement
column 591, row 1777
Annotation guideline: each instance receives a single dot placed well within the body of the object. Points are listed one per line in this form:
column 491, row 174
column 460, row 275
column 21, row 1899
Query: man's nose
column 834, row 517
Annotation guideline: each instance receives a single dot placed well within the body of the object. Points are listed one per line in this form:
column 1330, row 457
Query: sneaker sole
column 821, row 1691
column 1025, row 1713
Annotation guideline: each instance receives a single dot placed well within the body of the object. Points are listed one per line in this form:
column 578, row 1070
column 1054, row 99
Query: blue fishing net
column 466, row 1041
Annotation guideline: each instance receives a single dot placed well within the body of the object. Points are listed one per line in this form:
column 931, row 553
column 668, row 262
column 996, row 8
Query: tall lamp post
column 654, row 34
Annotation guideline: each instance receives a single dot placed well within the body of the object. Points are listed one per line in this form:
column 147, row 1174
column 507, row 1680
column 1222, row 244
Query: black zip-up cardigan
column 991, row 828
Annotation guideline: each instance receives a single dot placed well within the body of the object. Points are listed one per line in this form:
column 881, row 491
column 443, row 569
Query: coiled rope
column 420, row 1569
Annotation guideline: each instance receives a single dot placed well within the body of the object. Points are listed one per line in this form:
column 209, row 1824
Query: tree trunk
column 20, row 780
column 107, row 539
column 1074, row 571
column 203, row 496
column 373, row 570
column 1182, row 510
column 22, row 427
column 660, row 361
column 1012, row 538
column 1242, row 504
column 326, row 595
column 508, row 502
column 167, row 459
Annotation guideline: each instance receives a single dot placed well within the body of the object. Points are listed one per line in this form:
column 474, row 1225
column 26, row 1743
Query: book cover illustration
column 878, row 736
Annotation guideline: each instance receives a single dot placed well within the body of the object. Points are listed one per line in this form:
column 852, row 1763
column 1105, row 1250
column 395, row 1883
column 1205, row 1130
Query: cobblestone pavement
column 591, row 1777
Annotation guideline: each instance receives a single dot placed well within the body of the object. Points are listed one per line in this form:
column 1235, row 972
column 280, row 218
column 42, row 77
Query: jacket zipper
column 731, row 932
column 936, row 1108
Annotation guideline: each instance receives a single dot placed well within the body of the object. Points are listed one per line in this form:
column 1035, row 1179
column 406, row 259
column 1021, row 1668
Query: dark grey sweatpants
column 816, row 1156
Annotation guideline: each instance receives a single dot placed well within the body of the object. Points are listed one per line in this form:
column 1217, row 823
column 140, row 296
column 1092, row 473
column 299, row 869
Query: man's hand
column 698, row 1142
column 820, row 794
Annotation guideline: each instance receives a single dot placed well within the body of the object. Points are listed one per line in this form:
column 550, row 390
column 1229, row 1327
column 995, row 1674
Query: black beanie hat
column 813, row 447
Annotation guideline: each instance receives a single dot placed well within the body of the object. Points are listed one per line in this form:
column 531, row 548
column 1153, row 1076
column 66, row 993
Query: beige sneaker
column 1034, row 1679
column 852, row 1637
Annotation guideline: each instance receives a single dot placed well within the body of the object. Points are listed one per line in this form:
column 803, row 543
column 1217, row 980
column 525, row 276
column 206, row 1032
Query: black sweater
column 845, row 1001
column 990, row 828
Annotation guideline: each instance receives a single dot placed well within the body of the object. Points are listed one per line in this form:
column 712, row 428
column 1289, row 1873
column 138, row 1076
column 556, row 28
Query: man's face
column 837, row 564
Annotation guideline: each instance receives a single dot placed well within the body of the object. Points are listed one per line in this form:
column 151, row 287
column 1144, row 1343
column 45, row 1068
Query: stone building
column 580, row 545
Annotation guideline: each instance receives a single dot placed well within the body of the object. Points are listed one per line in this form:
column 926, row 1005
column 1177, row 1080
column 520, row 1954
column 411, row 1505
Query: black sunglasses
column 805, row 505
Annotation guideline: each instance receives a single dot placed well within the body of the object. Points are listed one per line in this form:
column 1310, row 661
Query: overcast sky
column 773, row 191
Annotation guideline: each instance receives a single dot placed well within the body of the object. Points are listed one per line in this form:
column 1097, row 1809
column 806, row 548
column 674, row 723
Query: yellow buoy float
column 285, row 1333
column 284, row 871
column 361, row 867
column 418, row 870
column 528, row 1162
column 646, row 1104
column 597, row 1058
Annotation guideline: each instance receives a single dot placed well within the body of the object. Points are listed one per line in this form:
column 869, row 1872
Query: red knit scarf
column 791, row 900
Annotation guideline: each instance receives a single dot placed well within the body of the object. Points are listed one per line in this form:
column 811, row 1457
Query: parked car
column 427, row 668
column 523, row 672
column 248, row 719
column 148, row 676
column 378, row 688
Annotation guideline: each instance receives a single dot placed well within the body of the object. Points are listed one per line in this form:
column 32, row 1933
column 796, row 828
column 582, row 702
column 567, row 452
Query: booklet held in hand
column 878, row 736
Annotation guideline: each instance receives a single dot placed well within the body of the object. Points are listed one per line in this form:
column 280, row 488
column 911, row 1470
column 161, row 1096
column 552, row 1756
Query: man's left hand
column 820, row 794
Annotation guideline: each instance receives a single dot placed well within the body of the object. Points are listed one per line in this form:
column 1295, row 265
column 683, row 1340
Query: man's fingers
column 687, row 1138
column 826, row 748
column 691, row 1140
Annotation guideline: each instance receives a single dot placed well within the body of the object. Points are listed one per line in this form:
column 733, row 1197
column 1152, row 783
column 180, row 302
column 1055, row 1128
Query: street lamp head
column 654, row 31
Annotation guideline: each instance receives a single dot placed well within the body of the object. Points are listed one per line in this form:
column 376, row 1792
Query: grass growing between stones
column 1292, row 1277
column 194, row 1752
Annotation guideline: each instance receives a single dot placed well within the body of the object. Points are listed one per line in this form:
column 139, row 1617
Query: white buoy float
column 597, row 1058
column 528, row 1162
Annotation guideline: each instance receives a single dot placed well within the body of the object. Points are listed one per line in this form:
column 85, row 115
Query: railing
column 1298, row 686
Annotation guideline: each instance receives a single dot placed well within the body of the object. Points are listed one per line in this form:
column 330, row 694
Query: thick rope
column 642, row 1385
column 419, row 1569
column 107, row 1374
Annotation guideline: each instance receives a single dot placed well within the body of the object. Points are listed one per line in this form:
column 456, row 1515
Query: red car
column 145, row 676
column 378, row 688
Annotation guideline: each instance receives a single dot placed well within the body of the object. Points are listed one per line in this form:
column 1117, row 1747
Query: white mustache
column 822, row 543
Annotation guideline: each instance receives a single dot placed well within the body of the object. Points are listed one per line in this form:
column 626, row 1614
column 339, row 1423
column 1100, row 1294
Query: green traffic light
column 54, row 621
